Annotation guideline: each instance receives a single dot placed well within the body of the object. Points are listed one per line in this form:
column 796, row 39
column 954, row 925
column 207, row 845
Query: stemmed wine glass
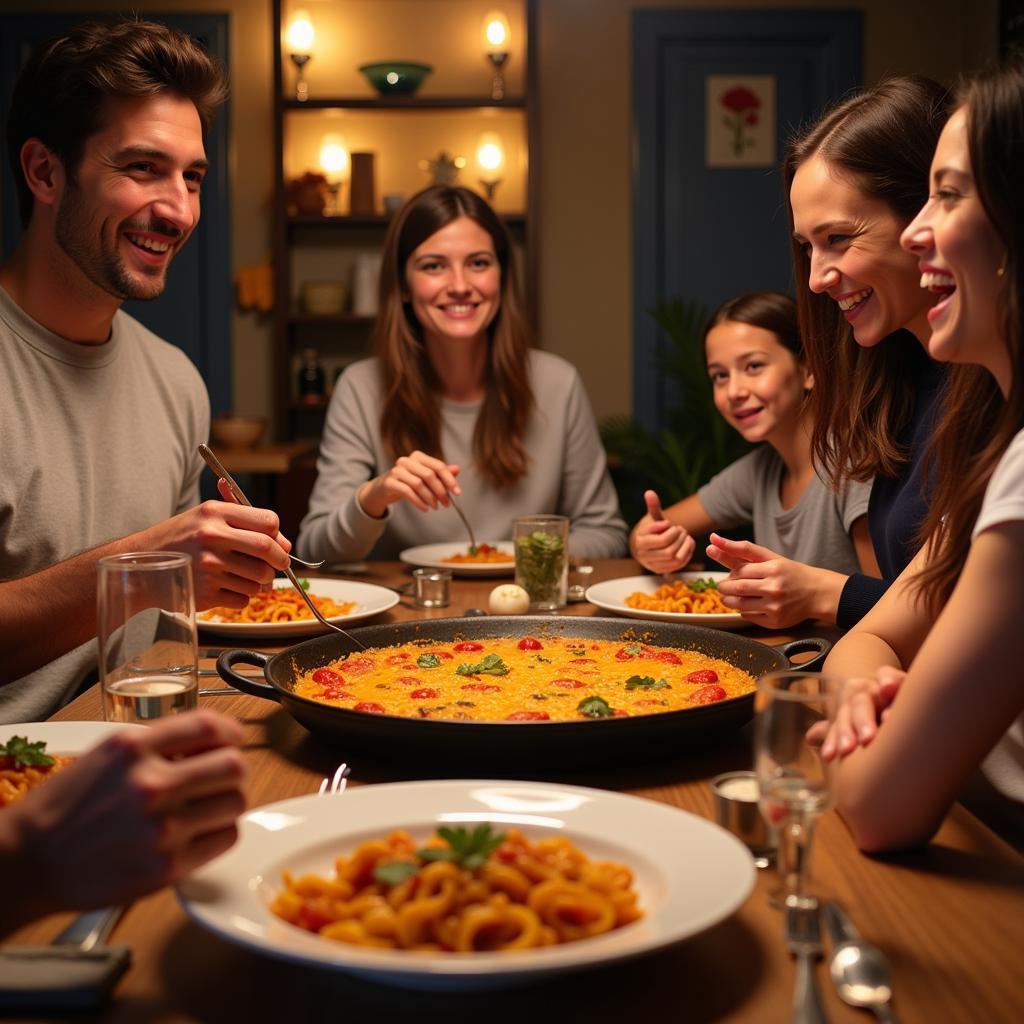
column 795, row 784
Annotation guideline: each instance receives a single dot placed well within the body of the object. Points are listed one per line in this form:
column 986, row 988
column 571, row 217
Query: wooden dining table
column 949, row 916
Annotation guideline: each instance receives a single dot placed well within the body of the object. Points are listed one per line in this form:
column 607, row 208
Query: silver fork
column 215, row 464
column 337, row 782
column 803, row 940
column 465, row 523
column 218, row 467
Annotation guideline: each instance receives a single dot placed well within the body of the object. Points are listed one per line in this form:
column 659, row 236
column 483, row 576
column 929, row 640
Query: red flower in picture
column 742, row 105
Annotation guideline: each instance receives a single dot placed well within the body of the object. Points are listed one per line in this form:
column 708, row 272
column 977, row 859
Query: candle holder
column 300, row 60
column 498, row 61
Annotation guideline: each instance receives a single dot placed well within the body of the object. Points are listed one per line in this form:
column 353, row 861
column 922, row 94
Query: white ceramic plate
column 611, row 595
column 65, row 737
column 689, row 872
column 370, row 600
column 432, row 556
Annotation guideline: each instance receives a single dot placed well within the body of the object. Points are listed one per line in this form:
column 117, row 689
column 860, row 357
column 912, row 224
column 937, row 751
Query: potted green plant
column 695, row 443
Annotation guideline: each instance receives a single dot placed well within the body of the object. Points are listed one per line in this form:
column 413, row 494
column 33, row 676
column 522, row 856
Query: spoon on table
column 859, row 970
column 465, row 522
column 215, row 464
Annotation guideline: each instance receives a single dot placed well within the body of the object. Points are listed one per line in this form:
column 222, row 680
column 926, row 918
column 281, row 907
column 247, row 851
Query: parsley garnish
column 470, row 849
column 492, row 665
column 646, row 683
column 577, row 652
column 394, row 872
column 25, row 754
column 428, row 661
column 632, row 648
column 698, row 586
column 594, row 707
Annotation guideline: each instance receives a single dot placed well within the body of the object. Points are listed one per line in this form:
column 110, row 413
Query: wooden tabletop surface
column 950, row 916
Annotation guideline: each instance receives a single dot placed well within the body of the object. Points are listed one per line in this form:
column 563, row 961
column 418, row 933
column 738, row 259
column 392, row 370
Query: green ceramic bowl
column 393, row 76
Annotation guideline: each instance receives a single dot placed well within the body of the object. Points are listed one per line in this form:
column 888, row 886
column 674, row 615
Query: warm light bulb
column 300, row 34
column 490, row 155
column 496, row 32
column 334, row 157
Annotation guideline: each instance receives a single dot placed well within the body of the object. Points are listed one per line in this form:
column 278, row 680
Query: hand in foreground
column 236, row 550
column 137, row 813
column 657, row 544
column 420, row 479
column 773, row 591
column 863, row 705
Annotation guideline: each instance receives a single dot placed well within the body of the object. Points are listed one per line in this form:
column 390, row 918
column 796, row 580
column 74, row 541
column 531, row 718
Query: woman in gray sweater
column 455, row 402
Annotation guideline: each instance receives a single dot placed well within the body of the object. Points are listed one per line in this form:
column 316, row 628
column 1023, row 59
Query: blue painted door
column 194, row 311
column 707, row 233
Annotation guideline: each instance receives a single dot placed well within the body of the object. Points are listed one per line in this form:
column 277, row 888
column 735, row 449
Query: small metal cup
column 430, row 587
column 737, row 810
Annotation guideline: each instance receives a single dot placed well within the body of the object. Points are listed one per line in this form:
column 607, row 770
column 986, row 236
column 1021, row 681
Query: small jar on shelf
column 312, row 379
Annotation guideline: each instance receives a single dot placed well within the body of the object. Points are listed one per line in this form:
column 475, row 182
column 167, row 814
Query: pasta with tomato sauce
column 278, row 605
column 464, row 892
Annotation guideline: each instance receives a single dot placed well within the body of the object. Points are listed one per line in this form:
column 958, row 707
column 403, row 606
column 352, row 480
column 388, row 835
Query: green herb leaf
column 470, row 849
column 394, row 872
column 25, row 754
column 633, row 648
column 428, row 661
column 492, row 665
column 646, row 683
column 577, row 652
column 698, row 586
column 304, row 584
column 594, row 707
column 540, row 564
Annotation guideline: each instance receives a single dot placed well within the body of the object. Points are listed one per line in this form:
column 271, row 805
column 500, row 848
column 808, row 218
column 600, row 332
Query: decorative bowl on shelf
column 395, row 76
column 237, row 431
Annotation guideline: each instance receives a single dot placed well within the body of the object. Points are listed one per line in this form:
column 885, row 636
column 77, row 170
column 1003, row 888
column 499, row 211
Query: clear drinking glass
column 794, row 783
column 542, row 560
column 146, row 616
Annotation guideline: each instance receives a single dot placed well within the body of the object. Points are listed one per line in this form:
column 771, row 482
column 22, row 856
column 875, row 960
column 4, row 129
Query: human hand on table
column 420, row 479
column 773, row 591
column 236, row 550
column 863, row 705
column 137, row 813
column 657, row 544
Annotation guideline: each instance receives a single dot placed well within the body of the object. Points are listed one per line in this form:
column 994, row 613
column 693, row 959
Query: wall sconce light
column 299, row 37
column 335, row 163
column 495, row 33
column 490, row 159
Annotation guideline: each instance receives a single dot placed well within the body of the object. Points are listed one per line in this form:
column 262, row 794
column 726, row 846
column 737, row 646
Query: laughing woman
column 855, row 180
column 455, row 402
column 953, row 618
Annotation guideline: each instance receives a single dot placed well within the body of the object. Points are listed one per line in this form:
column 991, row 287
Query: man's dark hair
column 60, row 96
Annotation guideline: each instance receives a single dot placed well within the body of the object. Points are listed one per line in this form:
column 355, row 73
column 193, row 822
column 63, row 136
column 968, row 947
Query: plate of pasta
column 283, row 613
column 690, row 597
column 492, row 558
column 368, row 881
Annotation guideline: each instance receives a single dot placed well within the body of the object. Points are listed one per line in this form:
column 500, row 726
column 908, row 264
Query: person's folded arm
column 961, row 693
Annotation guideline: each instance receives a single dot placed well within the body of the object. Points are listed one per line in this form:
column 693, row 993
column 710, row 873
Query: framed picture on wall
column 740, row 120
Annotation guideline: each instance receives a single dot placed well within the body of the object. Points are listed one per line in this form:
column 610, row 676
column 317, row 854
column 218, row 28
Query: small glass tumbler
column 146, row 618
column 430, row 587
column 542, row 560
column 736, row 810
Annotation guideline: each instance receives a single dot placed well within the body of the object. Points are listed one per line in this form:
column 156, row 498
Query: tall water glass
column 146, row 615
column 794, row 783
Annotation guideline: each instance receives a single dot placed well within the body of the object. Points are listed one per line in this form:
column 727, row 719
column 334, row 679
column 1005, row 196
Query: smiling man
column 100, row 419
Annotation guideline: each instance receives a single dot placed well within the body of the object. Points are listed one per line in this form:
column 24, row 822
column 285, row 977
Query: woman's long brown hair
column 411, row 413
column 977, row 422
column 882, row 140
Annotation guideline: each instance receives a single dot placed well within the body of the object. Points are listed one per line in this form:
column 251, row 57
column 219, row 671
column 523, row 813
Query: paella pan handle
column 811, row 643
column 245, row 683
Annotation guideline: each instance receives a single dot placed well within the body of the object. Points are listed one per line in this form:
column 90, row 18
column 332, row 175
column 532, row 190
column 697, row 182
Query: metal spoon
column 465, row 522
column 215, row 464
column 859, row 970
column 218, row 467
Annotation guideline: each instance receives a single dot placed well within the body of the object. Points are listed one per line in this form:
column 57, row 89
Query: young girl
column 761, row 381
column 953, row 618
column 455, row 402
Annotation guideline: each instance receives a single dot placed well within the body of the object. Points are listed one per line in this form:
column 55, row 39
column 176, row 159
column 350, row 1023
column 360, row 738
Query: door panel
column 705, row 233
column 194, row 311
